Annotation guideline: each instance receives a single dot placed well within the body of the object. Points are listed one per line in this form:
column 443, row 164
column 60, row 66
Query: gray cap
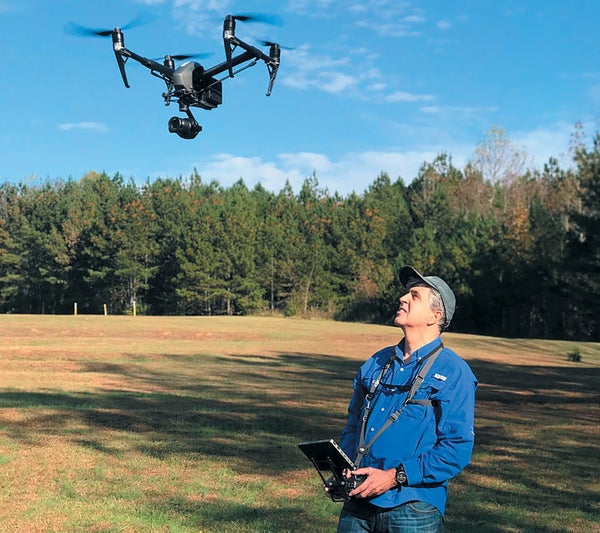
column 409, row 276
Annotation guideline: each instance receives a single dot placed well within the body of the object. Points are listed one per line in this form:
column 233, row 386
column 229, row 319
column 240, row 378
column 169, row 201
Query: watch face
column 400, row 477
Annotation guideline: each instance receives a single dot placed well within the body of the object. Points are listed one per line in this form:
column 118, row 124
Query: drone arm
column 231, row 42
column 255, row 52
column 272, row 60
column 250, row 53
column 229, row 64
column 148, row 63
column 123, row 54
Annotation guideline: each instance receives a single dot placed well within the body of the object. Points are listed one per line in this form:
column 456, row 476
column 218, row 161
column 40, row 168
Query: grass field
column 151, row 424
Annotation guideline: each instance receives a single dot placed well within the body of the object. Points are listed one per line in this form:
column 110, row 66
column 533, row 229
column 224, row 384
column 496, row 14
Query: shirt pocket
column 428, row 390
column 425, row 398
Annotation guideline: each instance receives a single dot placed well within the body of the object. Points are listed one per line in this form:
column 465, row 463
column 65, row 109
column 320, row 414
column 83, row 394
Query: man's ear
column 436, row 317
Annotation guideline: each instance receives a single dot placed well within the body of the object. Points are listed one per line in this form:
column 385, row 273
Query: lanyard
column 428, row 359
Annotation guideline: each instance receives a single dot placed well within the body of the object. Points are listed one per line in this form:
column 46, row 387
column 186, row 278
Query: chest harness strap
column 429, row 359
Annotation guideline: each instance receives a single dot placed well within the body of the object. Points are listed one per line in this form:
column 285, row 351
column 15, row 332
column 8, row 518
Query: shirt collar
column 418, row 354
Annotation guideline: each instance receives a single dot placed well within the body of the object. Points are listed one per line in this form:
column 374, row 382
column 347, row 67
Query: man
column 409, row 458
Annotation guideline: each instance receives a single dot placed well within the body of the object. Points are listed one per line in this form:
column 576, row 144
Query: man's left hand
column 377, row 482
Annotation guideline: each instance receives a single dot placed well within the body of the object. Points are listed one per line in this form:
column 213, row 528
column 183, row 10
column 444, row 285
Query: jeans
column 362, row 517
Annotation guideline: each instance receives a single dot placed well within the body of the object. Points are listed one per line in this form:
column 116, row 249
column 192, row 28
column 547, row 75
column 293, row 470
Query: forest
column 520, row 247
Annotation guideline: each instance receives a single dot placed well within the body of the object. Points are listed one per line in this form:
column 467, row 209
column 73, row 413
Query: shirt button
column 402, row 370
column 382, row 409
column 372, row 429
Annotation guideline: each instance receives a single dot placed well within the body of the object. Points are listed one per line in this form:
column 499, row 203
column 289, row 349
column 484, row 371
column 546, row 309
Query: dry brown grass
column 189, row 424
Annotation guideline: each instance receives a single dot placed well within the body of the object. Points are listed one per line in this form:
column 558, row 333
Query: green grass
column 151, row 424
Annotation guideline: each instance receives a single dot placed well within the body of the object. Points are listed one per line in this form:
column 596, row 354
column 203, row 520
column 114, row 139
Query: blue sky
column 368, row 86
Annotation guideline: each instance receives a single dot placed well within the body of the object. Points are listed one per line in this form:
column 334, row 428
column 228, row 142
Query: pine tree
column 581, row 271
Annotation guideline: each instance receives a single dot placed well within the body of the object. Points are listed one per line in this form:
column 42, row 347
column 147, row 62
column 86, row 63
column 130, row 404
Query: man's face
column 414, row 309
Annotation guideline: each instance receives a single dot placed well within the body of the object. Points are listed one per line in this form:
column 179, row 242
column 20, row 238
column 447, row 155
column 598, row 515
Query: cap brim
column 408, row 272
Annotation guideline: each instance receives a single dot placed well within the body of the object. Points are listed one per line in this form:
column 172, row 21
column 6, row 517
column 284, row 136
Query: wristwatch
column 401, row 478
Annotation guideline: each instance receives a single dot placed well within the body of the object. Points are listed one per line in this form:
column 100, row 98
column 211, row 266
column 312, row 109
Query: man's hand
column 377, row 482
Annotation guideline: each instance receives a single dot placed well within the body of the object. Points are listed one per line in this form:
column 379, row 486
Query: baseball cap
column 409, row 276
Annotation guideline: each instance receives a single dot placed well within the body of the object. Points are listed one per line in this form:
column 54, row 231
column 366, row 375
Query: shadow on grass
column 536, row 459
column 228, row 516
column 254, row 414
column 536, row 446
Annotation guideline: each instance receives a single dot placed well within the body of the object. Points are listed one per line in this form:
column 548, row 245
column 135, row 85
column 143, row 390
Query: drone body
column 206, row 92
column 192, row 88
column 190, row 84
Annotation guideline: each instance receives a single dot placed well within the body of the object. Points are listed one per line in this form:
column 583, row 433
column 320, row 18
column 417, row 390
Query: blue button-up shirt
column 432, row 443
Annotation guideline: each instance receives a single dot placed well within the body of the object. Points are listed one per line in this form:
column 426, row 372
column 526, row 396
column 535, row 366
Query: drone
column 190, row 84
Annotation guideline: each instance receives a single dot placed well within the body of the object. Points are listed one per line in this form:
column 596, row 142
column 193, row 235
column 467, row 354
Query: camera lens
column 176, row 124
column 184, row 127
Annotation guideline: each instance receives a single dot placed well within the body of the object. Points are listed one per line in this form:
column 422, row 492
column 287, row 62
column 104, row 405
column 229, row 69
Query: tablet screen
column 327, row 456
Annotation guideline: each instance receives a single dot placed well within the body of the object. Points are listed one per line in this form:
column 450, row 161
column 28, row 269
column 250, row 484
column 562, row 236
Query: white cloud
column 392, row 29
column 307, row 70
column 205, row 18
column 307, row 162
column 450, row 112
column 228, row 168
column 381, row 11
column 306, row 60
column 219, row 6
column 96, row 126
column 377, row 87
column 307, row 7
column 314, row 71
column 344, row 174
column 389, row 18
column 400, row 96
column 356, row 171
column 546, row 142
column 337, row 82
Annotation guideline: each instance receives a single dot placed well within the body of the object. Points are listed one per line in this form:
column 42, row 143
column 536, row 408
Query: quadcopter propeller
column 270, row 43
column 83, row 31
column 182, row 57
column 273, row 20
column 76, row 29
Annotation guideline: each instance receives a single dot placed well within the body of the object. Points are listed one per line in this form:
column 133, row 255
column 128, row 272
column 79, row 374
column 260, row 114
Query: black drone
column 190, row 84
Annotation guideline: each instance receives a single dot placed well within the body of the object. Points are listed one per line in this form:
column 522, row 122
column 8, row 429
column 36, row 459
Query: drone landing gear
column 186, row 128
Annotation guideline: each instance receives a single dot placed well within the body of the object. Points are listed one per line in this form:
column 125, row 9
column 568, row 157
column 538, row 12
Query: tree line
column 520, row 247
